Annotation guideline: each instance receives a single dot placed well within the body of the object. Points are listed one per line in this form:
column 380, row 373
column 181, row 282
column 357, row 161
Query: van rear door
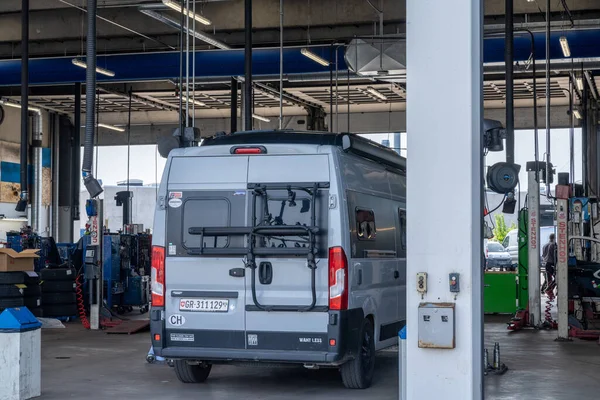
column 205, row 286
column 287, row 290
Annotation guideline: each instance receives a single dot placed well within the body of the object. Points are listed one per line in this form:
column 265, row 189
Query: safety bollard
column 20, row 352
column 402, row 363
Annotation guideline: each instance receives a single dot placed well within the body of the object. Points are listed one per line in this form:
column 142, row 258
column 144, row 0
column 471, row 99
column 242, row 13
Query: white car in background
column 511, row 242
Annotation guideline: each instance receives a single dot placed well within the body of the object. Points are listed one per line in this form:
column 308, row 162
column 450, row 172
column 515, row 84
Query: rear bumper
column 243, row 355
column 334, row 347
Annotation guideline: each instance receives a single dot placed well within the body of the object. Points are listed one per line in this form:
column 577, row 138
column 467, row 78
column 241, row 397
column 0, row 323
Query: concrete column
column 445, row 151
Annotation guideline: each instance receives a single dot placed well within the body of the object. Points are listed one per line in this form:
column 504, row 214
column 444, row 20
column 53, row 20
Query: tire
column 31, row 280
column 11, row 278
column 10, row 291
column 58, row 274
column 191, row 373
column 58, row 286
column 32, row 302
column 358, row 373
column 59, row 298
column 59, row 310
column 32, row 290
column 11, row 303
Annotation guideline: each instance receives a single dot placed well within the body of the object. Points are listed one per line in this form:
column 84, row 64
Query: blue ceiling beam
column 226, row 63
column 161, row 66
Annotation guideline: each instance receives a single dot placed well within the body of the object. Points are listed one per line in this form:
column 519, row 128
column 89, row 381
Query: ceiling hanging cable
column 180, row 86
column 280, row 64
column 194, row 67
column 129, row 136
column 187, row 66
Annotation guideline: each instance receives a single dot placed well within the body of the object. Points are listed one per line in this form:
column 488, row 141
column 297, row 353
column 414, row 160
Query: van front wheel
column 358, row 373
column 192, row 373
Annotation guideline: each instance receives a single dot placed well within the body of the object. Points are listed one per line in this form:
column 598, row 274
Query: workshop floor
column 93, row 365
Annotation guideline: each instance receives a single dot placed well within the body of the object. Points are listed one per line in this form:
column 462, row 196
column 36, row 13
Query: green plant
column 501, row 230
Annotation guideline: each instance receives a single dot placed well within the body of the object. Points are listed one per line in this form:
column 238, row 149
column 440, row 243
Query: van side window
column 506, row 241
column 365, row 224
column 402, row 219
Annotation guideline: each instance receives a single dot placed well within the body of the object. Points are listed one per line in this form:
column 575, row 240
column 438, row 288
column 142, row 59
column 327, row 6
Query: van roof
column 346, row 141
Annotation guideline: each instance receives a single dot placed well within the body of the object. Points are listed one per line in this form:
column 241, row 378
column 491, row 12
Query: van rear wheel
column 191, row 373
column 358, row 373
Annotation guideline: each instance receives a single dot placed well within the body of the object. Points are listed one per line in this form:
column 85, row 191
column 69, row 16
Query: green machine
column 506, row 292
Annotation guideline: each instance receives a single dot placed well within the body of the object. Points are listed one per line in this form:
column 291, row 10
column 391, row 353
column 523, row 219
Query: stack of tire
column 32, row 293
column 11, row 289
column 59, row 298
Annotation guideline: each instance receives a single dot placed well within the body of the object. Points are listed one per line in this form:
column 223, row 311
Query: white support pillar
column 533, row 234
column 562, row 271
column 445, row 160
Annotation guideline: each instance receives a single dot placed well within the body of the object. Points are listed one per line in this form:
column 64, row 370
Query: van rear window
column 213, row 213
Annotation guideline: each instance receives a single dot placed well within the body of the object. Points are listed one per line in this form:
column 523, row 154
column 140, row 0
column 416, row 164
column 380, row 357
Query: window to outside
column 365, row 224
column 495, row 247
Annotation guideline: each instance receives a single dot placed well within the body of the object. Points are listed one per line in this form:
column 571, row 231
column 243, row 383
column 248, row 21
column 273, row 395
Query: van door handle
column 396, row 274
column 359, row 279
column 265, row 273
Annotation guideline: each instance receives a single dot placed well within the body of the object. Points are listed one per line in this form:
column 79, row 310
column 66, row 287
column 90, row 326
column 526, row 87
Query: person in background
column 549, row 262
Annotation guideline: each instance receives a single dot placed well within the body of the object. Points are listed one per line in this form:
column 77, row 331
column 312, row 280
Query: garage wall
column 10, row 138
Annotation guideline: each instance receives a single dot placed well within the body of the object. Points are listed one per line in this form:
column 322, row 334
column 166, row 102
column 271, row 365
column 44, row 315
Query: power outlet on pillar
column 422, row 283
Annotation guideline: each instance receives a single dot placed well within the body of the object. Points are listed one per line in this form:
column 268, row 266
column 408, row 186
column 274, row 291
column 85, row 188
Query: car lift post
column 533, row 234
column 562, row 268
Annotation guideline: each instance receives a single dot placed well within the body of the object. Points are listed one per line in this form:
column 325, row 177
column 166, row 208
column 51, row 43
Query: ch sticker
column 177, row 320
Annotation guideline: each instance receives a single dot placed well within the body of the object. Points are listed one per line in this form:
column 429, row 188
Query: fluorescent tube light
column 99, row 70
column 112, row 127
column 564, row 44
column 376, row 93
column 18, row 105
column 577, row 114
column 579, row 83
column 179, row 8
column 260, row 118
column 318, row 59
column 196, row 102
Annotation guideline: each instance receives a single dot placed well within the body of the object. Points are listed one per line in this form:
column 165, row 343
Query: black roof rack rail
column 349, row 142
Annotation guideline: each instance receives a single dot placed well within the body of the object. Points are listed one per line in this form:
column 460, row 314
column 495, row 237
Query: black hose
column 509, row 61
column 248, row 66
column 91, row 184
column 22, row 205
column 234, row 106
column 76, row 159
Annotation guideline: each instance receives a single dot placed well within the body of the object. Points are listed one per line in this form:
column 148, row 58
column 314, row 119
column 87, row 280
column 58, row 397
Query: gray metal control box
column 436, row 326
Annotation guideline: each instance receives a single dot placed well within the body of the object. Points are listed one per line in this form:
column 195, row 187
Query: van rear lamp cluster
column 157, row 274
column 338, row 279
column 157, row 337
column 248, row 150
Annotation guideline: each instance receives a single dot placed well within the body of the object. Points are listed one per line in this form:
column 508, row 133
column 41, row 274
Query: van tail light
column 338, row 279
column 158, row 276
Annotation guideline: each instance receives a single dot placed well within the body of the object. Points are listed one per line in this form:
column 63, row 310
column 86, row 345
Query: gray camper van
column 279, row 247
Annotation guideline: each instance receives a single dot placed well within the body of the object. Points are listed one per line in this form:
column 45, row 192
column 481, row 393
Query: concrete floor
column 93, row 365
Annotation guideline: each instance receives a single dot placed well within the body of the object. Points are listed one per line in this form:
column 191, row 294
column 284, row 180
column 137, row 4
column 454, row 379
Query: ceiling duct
column 382, row 58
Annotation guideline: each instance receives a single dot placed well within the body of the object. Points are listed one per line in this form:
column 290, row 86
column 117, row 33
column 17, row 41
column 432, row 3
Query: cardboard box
column 11, row 261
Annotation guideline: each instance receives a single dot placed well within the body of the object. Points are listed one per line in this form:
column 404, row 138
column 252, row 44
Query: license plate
column 204, row 305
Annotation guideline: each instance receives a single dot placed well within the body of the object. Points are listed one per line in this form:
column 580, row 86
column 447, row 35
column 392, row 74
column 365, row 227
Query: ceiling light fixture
column 179, row 8
column 376, row 93
column 111, row 127
column 99, row 70
column 577, row 114
column 579, row 83
column 18, row 105
column 196, row 102
column 205, row 37
column 260, row 118
column 564, row 44
column 318, row 59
